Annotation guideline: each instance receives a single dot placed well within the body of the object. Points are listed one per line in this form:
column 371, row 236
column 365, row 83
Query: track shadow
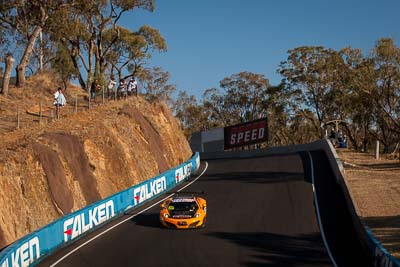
column 337, row 216
column 256, row 177
column 387, row 231
column 148, row 220
column 279, row 250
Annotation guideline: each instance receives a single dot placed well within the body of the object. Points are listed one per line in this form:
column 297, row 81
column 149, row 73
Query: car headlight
column 197, row 215
column 166, row 215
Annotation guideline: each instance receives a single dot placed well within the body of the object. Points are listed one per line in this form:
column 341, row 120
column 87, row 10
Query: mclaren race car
column 183, row 212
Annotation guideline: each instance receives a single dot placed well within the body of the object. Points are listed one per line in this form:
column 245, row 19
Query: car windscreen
column 182, row 206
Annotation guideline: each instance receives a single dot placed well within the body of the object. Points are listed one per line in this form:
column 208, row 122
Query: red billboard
column 244, row 134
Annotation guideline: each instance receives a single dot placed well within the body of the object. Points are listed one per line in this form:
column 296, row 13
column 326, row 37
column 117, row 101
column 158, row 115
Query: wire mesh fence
column 44, row 112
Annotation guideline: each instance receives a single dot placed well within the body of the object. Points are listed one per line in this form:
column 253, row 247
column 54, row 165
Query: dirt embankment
column 47, row 171
column 375, row 188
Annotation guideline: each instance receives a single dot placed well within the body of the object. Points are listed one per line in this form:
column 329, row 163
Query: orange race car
column 183, row 212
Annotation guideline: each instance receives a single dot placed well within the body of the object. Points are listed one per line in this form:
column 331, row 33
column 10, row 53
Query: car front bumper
column 182, row 223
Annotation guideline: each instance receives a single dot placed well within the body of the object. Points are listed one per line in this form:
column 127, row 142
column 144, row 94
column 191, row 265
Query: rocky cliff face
column 49, row 171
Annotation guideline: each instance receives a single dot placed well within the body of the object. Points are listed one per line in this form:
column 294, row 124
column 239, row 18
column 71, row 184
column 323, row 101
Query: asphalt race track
column 260, row 213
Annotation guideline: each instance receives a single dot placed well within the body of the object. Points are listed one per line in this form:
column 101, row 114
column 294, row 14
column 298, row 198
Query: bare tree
column 7, row 73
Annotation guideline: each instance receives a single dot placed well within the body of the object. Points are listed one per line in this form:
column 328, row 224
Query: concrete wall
column 381, row 258
column 208, row 141
column 195, row 142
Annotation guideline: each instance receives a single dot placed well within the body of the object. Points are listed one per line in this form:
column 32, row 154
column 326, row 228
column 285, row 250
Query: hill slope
column 47, row 171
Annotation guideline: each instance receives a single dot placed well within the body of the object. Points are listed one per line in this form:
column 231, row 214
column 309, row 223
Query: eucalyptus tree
column 308, row 77
column 245, row 96
column 23, row 21
column 289, row 124
column 361, row 108
column 386, row 93
column 345, row 101
column 70, row 34
column 63, row 65
column 191, row 114
column 131, row 50
column 7, row 73
column 90, row 31
column 155, row 82
column 215, row 110
column 298, row 129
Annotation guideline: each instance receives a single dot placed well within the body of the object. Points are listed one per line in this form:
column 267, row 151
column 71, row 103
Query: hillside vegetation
column 52, row 169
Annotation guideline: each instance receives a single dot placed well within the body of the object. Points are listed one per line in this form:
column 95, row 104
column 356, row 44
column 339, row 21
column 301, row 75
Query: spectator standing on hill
column 122, row 87
column 129, row 88
column 111, row 86
column 132, row 85
column 59, row 100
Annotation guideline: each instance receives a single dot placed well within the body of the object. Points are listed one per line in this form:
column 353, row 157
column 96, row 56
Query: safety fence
column 31, row 249
column 43, row 112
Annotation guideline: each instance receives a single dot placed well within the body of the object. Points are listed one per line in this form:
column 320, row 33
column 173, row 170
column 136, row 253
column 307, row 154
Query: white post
column 41, row 51
column 40, row 112
column 377, row 150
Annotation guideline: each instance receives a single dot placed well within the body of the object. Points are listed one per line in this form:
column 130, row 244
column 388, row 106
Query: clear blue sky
column 212, row 39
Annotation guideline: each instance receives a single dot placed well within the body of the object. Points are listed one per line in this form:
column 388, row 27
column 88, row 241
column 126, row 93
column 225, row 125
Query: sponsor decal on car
column 83, row 222
column 178, row 200
column 149, row 190
column 24, row 255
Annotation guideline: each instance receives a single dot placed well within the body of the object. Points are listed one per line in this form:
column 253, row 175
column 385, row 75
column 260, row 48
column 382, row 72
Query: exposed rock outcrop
column 52, row 170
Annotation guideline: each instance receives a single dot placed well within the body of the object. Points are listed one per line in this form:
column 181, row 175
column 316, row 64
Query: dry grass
column 38, row 91
column 375, row 187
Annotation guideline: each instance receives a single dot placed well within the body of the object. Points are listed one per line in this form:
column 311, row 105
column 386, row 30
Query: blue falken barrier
column 382, row 258
column 32, row 248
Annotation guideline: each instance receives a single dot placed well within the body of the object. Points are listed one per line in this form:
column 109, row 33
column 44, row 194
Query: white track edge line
column 121, row 222
column 318, row 214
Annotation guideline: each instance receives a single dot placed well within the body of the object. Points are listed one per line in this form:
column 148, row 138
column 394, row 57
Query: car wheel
column 204, row 223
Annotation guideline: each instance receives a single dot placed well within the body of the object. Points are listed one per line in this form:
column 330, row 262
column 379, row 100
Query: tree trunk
column 26, row 56
column 103, row 73
column 365, row 141
column 365, row 144
column 91, row 76
column 351, row 137
column 7, row 73
column 80, row 78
